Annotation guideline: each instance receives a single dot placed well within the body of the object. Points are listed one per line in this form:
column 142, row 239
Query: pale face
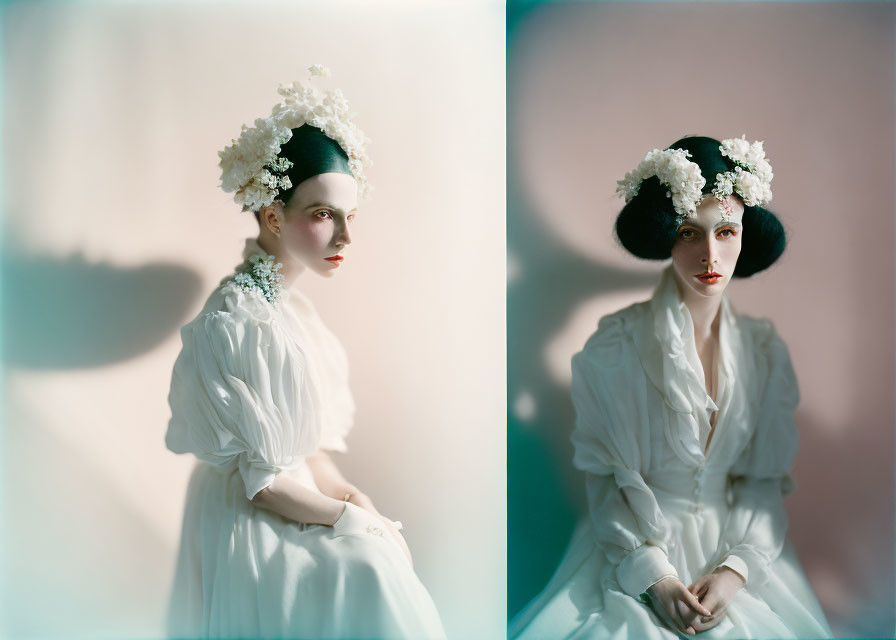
column 316, row 227
column 706, row 248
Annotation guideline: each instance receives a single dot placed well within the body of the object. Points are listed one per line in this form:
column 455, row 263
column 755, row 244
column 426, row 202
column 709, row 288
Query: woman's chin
column 709, row 290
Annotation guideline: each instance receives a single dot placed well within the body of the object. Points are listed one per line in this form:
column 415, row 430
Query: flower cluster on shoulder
column 263, row 275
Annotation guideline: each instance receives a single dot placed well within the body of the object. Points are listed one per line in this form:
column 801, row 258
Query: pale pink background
column 113, row 116
column 593, row 87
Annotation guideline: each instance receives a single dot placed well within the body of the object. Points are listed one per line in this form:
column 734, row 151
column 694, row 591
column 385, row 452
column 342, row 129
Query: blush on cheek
column 310, row 234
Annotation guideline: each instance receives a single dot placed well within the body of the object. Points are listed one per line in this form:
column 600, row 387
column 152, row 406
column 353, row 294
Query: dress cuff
column 256, row 476
column 643, row 568
column 737, row 564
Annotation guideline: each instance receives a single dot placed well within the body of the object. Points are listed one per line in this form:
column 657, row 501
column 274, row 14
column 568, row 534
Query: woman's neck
column 704, row 311
column 273, row 245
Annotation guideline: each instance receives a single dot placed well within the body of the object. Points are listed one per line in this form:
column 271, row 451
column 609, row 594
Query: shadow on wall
column 545, row 493
column 66, row 313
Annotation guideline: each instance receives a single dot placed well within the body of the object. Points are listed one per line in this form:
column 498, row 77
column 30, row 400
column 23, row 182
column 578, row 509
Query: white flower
column 247, row 163
column 750, row 188
column 753, row 171
column 681, row 176
column 751, row 177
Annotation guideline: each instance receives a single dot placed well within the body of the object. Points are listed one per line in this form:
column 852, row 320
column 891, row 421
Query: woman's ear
column 271, row 217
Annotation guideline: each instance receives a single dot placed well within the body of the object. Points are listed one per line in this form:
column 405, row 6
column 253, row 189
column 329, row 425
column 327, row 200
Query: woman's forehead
column 335, row 190
column 711, row 214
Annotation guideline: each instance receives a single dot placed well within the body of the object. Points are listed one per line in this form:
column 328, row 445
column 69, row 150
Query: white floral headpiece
column 250, row 165
column 751, row 178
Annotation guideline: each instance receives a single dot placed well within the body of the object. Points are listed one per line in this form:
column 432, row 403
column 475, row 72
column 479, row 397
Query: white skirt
column 247, row 572
column 583, row 600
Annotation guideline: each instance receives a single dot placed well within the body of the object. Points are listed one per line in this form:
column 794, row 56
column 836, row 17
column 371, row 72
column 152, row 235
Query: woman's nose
column 344, row 236
column 710, row 252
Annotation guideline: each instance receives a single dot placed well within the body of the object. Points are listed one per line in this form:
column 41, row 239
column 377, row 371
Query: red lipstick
column 337, row 260
column 709, row 277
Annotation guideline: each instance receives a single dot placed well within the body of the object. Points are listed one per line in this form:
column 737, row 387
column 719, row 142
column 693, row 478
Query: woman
column 276, row 542
column 685, row 426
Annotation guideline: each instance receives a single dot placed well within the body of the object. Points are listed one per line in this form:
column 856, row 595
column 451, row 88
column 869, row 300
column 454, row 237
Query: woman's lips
column 335, row 259
column 709, row 277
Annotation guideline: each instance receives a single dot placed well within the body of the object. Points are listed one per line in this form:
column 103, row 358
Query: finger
column 701, row 592
column 687, row 615
column 673, row 621
column 679, row 621
column 685, row 612
column 692, row 601
column 712, row 600
column 697, row 586
column 659, row 608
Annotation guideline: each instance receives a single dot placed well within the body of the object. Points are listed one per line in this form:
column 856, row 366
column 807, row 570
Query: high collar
column 666, row 345
column 251, row 248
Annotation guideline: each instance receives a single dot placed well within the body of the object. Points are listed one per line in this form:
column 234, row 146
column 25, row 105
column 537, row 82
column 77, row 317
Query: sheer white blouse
column 259, row 386
column 642, row 424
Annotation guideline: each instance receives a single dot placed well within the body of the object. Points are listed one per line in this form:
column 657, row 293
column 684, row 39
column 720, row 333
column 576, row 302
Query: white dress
column 257, row 387
column 660, row 501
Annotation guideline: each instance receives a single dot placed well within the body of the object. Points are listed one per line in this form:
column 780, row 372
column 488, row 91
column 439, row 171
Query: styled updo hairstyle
column 646, row 226
column 311, row 152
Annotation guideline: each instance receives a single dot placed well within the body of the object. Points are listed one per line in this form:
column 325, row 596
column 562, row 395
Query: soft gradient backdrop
column 115, row 232
column 592, row 87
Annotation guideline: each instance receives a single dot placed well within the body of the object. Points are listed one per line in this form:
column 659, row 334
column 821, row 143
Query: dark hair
column 646, row 226
column 311, row 152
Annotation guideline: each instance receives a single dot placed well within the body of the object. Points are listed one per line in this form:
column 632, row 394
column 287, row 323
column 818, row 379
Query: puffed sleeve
column 238, row 398
column 757, row 523
column 611, row 441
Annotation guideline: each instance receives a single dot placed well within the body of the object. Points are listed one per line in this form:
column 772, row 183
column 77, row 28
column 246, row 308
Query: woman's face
column 706, row 247
column 317, row 222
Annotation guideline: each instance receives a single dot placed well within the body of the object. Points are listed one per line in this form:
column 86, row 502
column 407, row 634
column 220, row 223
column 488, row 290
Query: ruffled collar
column 667, row 348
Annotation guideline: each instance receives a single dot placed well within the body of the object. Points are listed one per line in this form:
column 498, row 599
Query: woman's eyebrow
column 326, row 205
column 722, row 223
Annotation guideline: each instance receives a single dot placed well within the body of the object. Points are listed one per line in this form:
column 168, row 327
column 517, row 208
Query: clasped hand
column 363, row 500
column 698, row 607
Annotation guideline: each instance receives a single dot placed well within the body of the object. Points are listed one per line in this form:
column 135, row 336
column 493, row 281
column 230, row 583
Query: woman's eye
column 727, row 233
column 686, row 234
column 322, row 214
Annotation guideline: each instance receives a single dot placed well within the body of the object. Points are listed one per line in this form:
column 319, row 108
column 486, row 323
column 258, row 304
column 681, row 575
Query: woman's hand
column 715, row 592
column 395, row 532
column 675, row 605
column 363, row 500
